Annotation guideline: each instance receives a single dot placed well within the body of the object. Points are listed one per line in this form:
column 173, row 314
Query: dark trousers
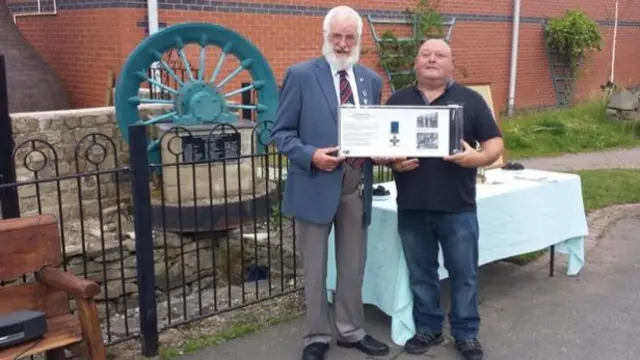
column 420, row 232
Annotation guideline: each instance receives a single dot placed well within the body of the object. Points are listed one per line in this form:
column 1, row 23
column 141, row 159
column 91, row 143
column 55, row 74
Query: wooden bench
column 31, row 245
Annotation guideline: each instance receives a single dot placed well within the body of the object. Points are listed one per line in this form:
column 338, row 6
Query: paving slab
column 526, row 314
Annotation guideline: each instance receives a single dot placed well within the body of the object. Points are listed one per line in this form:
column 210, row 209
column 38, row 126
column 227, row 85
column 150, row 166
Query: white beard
column 340, row 63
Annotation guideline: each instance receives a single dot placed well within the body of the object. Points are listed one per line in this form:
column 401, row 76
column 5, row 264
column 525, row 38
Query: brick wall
column 83, row 43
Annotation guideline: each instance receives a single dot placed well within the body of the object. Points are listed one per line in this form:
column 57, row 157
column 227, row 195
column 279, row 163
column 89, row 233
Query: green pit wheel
column 198, row 98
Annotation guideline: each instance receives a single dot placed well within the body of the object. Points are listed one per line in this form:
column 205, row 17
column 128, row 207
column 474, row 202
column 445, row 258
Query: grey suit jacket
column 306, row 119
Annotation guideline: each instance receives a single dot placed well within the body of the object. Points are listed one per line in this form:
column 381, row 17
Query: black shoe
column 315, row 351
column 421, row 342
column 470, row 349
column 367, row 345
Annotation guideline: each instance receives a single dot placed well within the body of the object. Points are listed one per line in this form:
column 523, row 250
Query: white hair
column 343, row 13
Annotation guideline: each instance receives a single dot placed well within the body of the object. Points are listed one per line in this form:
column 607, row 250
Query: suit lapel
column 363, row 85
column 325, row 78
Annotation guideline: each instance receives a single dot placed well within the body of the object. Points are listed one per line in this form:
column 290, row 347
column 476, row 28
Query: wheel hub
column 200, row 102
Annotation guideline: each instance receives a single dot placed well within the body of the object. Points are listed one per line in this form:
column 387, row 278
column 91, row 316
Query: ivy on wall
column 572, row 37
column 397, row 55
column 569, row 39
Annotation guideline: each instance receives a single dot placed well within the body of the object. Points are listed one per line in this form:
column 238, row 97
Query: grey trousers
column 351, row 250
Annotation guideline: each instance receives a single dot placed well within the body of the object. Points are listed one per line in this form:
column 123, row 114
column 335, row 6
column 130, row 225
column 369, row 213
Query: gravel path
column 624, row 158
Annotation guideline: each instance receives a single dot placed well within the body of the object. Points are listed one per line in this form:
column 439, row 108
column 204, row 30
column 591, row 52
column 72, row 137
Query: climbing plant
column 397, row 55
column 572, row 37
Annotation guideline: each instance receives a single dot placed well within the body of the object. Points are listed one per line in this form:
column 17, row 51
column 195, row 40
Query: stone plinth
column 178, row 180
column 211, row 178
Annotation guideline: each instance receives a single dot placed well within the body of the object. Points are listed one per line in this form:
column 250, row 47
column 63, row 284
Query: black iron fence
column 199, row 234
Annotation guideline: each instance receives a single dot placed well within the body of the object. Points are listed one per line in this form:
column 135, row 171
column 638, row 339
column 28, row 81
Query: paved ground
column 526, row 314
column 626, row 158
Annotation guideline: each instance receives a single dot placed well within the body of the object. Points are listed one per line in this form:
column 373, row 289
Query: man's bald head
column 440, row 44
column 434, row 62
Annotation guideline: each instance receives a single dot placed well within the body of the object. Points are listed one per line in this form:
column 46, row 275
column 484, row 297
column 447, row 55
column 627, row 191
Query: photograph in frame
column 410, row 131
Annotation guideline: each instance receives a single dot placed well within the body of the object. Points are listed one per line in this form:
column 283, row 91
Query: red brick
column 83, row 45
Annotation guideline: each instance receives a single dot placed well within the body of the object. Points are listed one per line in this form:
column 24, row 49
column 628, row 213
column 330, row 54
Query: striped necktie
column 346, row 97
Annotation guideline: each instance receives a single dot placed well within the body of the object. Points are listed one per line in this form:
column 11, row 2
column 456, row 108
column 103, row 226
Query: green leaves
column 573, row 35
column 397, row 55
column 569, row 38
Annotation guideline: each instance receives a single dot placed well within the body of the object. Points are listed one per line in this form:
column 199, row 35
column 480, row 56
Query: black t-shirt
column 439, row 185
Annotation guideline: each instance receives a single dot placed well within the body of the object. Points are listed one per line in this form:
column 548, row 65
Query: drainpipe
column 514, row 57
column 613, row 48
column 152, row 19
column 152, row 15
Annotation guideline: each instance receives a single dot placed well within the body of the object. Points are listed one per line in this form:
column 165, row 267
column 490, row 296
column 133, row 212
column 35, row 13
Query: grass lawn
column 600, row 189
column 606, row 187
column 557, row 131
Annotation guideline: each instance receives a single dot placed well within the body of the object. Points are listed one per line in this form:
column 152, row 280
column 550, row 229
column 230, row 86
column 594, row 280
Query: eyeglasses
column 349, row 38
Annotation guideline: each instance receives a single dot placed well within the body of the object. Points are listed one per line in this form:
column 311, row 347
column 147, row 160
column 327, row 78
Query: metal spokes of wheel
column 198, row 96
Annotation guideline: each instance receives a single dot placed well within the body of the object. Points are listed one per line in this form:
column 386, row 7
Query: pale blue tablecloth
column 521, row 215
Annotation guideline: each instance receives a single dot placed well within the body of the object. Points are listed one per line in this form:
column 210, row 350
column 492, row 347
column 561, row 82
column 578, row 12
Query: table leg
column 552, row 256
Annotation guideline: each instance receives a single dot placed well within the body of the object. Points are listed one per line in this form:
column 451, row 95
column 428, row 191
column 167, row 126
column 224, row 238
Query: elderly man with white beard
column 325, row 191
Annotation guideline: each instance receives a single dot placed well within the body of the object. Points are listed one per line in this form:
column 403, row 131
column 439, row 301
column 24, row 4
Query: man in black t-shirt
column 437, row 204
